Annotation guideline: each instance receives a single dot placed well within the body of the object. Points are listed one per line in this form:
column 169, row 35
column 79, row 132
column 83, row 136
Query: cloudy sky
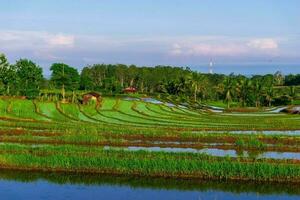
column 252, row 36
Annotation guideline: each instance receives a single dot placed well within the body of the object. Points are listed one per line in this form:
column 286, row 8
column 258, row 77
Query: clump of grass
column 252, row 143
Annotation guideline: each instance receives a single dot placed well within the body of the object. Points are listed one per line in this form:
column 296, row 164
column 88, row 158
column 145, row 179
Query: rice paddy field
column 149, row 138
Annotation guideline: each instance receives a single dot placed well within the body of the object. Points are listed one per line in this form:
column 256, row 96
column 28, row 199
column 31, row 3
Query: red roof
column 130, row 89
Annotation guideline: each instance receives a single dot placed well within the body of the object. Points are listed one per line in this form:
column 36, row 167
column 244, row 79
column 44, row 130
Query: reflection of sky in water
column 170, row 104
column 297, row 132
column 131, row 99
column 219, row 152
column 45, row 190
column 277, row 110
column 279, row 155
column 151, row 100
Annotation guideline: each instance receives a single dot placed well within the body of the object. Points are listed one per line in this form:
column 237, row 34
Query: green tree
column 86, row 81
column 120, row 73
column 228, row 89
column 292, row 94
column 65, row 77
column 7, row 75
column 257, row 91
column 244, row 90
column 278, row 78
column 270, row 95
column 132, row 75
column 29, row 77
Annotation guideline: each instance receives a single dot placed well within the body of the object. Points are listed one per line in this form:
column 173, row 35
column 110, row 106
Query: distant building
column 91, row 96
column 130, row 90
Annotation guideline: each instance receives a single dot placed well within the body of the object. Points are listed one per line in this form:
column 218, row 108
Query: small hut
column 91, row 96
column 292, row 110
column 130, row 90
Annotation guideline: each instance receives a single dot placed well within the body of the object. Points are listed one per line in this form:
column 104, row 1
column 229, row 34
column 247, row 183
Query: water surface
column 36, row 186
column 217, row 152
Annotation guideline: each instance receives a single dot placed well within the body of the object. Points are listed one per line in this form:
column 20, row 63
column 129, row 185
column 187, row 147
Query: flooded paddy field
column 173, row 152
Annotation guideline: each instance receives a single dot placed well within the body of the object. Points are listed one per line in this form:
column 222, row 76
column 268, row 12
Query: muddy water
column 36, row 186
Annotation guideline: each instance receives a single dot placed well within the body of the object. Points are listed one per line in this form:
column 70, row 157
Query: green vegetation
column 37, row 135
column 47, row 125
column 173, row 84
column 145, row 163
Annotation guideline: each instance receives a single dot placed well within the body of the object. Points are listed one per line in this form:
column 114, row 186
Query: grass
column 296, row 102
column 143, row 163
column 220, row 104
column 25, row 109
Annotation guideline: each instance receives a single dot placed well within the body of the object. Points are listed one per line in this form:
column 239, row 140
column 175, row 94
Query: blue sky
column 234, row 34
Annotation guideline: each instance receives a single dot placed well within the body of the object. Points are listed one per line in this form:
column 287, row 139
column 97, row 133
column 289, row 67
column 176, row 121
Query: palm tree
column 228, row 90
column 195, row 89
column 292, row 94
column 278, row 78
column 193, row 81
column 243, row 90
column 270, row 95
column 181, row 86
column 202, row 87
column 63, row 85
column 257, row 90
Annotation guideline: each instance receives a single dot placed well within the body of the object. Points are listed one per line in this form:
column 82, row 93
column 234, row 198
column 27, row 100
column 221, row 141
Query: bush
column 282, row 100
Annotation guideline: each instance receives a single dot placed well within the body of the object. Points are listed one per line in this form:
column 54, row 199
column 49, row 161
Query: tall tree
column 257, row 91
column 269, row 95
column 65, row 77
column 244, row 90
column 86, row 80
column 292, row 94
column 29, row 76
column 7, row 75
column 278, row 78
column 193, row 79
column 228, row 89
column 120, row 73
column 203, row 86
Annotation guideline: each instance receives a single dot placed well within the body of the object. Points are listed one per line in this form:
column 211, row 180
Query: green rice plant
column 144, row 163
column 251, row 142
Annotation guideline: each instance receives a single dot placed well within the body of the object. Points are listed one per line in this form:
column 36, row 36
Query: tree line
column 26, row 78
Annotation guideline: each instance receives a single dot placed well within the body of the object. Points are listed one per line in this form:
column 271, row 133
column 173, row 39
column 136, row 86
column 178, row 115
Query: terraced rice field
column 148, row 137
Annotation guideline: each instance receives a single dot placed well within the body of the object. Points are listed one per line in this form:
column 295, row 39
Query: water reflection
column 216, row 152
column 33, row 185
column 291, row 133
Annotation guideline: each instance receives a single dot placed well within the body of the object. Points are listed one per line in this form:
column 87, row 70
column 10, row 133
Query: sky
column 248, row 37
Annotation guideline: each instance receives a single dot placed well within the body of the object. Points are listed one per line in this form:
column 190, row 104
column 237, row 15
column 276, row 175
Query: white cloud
column 28, row 40
column 38, row 45
column 217, row 46
column 61, row 40
column 216, row 50
column 176, row 50
column 224, row 46
column 53, row 47
column 263, row 44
